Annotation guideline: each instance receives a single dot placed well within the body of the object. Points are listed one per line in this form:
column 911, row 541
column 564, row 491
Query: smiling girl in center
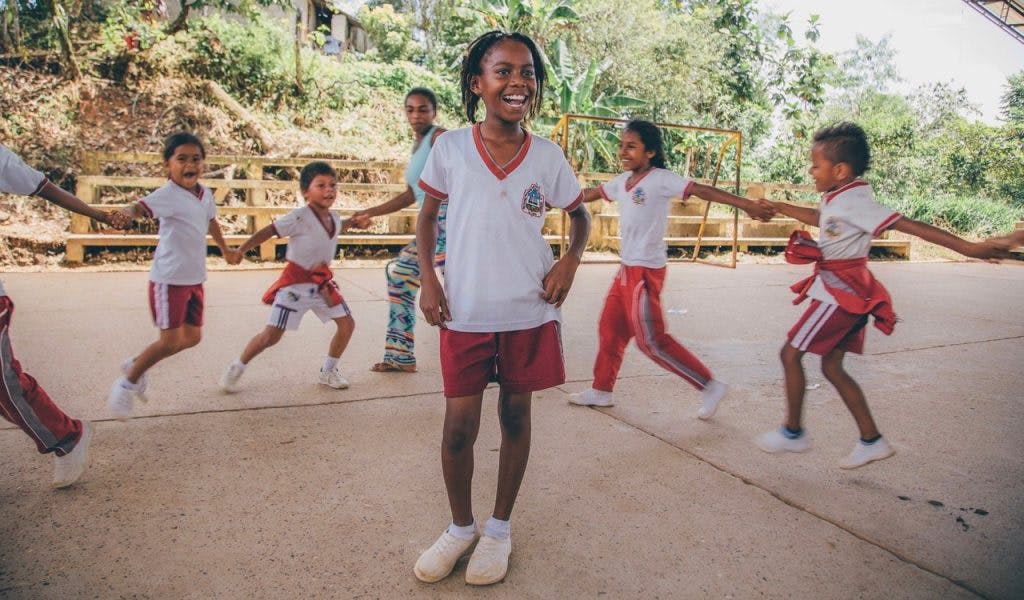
column 499, row 308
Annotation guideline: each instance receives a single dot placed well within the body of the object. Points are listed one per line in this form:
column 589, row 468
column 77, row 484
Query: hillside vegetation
column 120, row 75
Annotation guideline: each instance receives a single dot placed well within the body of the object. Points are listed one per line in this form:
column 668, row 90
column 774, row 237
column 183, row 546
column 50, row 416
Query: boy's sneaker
column 140, row 386
column 437, row 561
column 864, row 453
column 776, row 441
column 709, row 399
column 121, row 399
column 229, row 380
column 68, row 468
column 489, row 562
column 334, row 379
column 592, row 397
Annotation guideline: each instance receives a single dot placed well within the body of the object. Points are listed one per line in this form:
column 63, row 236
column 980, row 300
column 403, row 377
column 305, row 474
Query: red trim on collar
column 856, row 183
column 629, row 188
column 501, row 172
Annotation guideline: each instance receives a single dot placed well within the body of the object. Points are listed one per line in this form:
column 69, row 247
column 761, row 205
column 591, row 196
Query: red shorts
column 176, row 305
column 824, row 327
column 520, row 361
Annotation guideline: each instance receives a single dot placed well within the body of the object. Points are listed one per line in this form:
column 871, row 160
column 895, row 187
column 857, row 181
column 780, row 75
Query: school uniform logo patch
column 639, row 197
column 533, row 201
column 833, row 227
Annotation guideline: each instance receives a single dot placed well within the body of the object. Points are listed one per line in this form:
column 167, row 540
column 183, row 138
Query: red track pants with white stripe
column 24, row 403
column 633, row 309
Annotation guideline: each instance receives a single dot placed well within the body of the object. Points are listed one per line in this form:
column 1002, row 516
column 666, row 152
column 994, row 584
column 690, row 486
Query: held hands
column 433, row 302
column 559, row 279
column 761, row 210
column 989, row 250
column 118, row 219
column 360, row 220
column 233, row 256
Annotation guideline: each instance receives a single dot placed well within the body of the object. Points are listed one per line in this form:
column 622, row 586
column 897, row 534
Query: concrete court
column 287, row 489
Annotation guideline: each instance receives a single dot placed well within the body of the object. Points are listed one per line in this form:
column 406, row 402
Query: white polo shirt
column 309, row 243
column 180, row 257
column 643, row 214
column 848, row 219
column 496, row 255
column 16, row 177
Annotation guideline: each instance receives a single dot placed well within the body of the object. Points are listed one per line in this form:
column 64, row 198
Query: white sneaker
column 709, row 399
column 140, row 386
column 489, row 562
column 437, row 561
column 592, row 397
column 864, row 453
column 229, row 380
column 68, row 468
column 121, row 399
column 334, row 379
column 775, row 441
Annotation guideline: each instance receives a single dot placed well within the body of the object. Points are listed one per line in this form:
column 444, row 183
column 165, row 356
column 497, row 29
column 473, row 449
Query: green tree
column 1012, row 101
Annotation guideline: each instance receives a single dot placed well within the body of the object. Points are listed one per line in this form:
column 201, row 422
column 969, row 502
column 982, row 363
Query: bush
column 964, row 215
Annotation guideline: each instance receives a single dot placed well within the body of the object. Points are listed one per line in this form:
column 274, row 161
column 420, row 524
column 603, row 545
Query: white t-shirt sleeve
column 434, row 178
column 870, row 216
column 287, row 225
column 610, row 189
column 675, row 185
column 16, row 177
column 159, row 204
column 565, row 188
column 211, row 213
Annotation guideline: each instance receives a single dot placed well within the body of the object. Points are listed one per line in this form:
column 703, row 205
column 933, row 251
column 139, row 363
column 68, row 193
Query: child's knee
column 832, row 368
column 514, row 419
column 790, row 355
column 458, row 437
column 271, row 336
column 346, row 324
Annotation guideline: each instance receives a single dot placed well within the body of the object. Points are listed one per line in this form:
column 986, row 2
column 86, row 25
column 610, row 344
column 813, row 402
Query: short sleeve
column 211, row 212
column 674, row 185
column 288, row 224
column 868, row 215
column 565, row 191
column 611, row 190
column 434, row 178
column 159, row 204
column 16, row 177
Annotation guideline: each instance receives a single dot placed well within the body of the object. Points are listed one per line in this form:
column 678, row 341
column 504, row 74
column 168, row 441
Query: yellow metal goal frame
column 561, row 132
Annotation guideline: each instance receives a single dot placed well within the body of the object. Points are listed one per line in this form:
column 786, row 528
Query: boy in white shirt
column 843, row 291
column 307, row 282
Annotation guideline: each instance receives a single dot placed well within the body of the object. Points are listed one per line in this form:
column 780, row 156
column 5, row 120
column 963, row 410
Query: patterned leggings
column 403, row 275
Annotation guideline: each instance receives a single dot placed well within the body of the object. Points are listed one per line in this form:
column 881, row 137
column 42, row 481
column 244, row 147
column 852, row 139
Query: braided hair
column 475, row 54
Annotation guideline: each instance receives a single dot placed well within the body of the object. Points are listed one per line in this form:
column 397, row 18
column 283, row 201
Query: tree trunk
column 179, row 21
column 299, row 30
column 252, row 126
column 10, row 30
column 63, row 24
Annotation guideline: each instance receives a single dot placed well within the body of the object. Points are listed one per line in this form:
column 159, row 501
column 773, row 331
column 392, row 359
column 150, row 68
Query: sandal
column 390, row 367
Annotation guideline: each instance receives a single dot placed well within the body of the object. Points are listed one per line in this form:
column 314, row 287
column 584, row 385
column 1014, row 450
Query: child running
column 187, row 213
column 499, row 308
column 843, row 291
column 632, row 309
column 22, row 400
column 307, row 282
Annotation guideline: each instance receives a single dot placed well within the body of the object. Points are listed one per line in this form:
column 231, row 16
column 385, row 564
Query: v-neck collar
column 853, row 184
column 500, row 171
column 330, row 232
column 629, row 188
column 197, row 193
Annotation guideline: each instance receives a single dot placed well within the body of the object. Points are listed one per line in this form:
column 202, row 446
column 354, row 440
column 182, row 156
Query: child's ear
column 842, row 171
column 474, row 84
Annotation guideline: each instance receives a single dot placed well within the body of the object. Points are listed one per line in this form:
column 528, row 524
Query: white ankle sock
column 238, row 363
column 498, row 529
column 329, row 363
column 123, row 382
column 463, row 532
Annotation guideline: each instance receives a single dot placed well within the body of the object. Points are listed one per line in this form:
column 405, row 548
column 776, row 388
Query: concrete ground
column 288, row 489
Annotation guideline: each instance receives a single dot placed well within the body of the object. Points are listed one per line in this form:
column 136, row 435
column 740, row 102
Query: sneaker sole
column 890, row 454
column 425, row 579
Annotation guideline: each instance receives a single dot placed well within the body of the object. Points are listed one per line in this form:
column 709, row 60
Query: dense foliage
column 718, row 63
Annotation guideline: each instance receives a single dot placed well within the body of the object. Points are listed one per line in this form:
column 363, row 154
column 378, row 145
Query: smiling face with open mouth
column 507, row 83
column 186, row 166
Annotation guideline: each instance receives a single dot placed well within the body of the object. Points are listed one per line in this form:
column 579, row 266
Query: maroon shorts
column 176, row 305
column 520, row 361
column 824, row 327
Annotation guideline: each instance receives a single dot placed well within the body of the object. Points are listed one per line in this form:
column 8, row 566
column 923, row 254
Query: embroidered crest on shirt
column 639, row 197
column 833, row 228
column 533, row 201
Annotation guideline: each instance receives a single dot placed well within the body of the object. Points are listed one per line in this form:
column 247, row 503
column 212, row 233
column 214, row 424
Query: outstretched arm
column 930, row 233
column 256, row 239
column 809, row 216
column 756, row 210
column 57, row 195
column 233, row 257
column 361, row 218
column 559, row 279
column 592, row 194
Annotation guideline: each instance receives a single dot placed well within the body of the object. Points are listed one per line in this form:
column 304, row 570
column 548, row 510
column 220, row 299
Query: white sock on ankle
column 329, row 363
column 463, row 532
column 498, row 529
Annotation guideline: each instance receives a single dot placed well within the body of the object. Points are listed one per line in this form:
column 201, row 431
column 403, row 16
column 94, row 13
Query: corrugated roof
column 1007, row 14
